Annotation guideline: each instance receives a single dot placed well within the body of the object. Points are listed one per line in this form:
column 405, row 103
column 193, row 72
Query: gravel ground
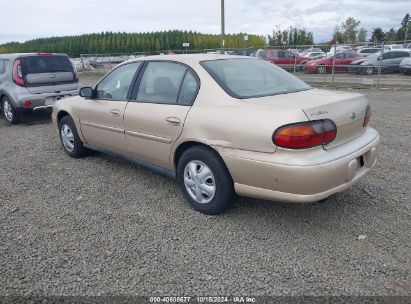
column 103, row 226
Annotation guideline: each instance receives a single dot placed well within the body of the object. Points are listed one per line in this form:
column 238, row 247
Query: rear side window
column 188, row 89
column 45, row 64
column 3, row 66
column 402, row 54
column 162, row 83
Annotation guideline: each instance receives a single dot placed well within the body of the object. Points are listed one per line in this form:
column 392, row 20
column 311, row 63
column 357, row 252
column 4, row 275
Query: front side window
column 161, row 82
column 247, row 78
column 116, row 85
column 340, row 56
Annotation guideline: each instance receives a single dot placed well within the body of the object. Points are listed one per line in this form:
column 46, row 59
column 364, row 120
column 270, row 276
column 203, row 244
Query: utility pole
column 222, row 27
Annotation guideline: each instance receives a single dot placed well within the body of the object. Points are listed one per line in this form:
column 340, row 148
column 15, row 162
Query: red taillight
column 17, row 73
column 367, row 116
column 44, row 54
column 305, row 134
column 27, row 103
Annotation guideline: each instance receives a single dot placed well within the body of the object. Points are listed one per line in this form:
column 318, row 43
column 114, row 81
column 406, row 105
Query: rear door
column 102, row 118
column 154, row 119
column 397, row 57
column 387, row 61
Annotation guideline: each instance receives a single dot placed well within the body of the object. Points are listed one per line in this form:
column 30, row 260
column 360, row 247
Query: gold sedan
column 223, row 125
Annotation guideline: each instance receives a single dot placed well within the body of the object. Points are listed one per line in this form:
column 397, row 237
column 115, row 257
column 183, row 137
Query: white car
column 364, row 52
column 405, row 66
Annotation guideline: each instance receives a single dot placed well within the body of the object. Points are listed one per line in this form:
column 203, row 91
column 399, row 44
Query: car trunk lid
column 48, row 73
column 346, row 110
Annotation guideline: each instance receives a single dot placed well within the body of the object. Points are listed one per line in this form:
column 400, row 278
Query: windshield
column 45, row 64
column 374, row 55
column 247, row 78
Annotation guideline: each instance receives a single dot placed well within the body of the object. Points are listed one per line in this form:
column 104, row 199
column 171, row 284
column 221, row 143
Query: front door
column 102, row 118
column 155, row 118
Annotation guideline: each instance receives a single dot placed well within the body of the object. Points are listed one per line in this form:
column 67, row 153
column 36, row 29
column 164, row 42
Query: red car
column 341, row 63
column 282, row 57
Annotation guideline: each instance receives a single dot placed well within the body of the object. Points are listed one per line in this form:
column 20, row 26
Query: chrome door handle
column 173, row 121
column 115, row 112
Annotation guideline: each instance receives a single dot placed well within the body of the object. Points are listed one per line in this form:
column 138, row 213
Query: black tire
column 369, row 70
column 78, row 149
column 10, row 114
column 224, row 186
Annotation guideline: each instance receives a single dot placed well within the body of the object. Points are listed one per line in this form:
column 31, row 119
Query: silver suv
column 34, row 81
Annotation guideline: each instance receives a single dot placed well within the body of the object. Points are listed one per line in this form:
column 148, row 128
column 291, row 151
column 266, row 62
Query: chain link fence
column 360, row 65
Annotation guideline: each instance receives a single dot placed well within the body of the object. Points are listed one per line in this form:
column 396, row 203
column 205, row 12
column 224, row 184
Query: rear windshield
column 247, row 78
column 45, row 64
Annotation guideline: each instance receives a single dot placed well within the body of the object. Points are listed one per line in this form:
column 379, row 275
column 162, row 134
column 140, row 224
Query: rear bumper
column 298, row 182
column 38, row 101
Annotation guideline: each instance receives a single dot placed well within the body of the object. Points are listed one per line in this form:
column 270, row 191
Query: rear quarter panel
column 223, row 122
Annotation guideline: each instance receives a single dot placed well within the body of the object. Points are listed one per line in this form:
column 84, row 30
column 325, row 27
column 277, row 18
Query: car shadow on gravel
column 36, row 118
column 343, row 206
column 30, row 119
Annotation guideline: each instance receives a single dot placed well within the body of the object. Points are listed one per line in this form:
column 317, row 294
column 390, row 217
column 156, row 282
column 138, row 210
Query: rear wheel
column 72, row 143
column 205, row 180
column 9, row 111
column 322, row 69
column 369, row 70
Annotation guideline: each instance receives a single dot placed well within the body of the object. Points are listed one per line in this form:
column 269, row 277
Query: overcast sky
column 26, row 19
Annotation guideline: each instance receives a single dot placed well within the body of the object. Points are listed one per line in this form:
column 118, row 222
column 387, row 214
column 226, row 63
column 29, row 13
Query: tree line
column 290, row 36
column 350, row 32
column 109, row 42
column 153, row 42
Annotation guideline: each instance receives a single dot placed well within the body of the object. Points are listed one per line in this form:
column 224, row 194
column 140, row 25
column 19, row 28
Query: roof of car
column 17, row 55
column 396, row 50
column 188, row 57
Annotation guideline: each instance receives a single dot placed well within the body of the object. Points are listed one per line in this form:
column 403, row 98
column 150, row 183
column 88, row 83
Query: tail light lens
column 17, row 73
column 305, row 134
column 367, row 116
column 76, row 75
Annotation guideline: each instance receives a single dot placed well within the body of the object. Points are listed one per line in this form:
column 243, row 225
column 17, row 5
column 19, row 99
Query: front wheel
column 70, row 140
column 205, row 180
column 9, row 111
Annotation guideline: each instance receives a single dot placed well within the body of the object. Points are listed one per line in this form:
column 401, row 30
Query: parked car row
column 364, row 61
column 341, row 58
column 387, row 62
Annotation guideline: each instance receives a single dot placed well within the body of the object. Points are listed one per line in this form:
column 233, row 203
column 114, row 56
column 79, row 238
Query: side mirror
column 87, row 92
